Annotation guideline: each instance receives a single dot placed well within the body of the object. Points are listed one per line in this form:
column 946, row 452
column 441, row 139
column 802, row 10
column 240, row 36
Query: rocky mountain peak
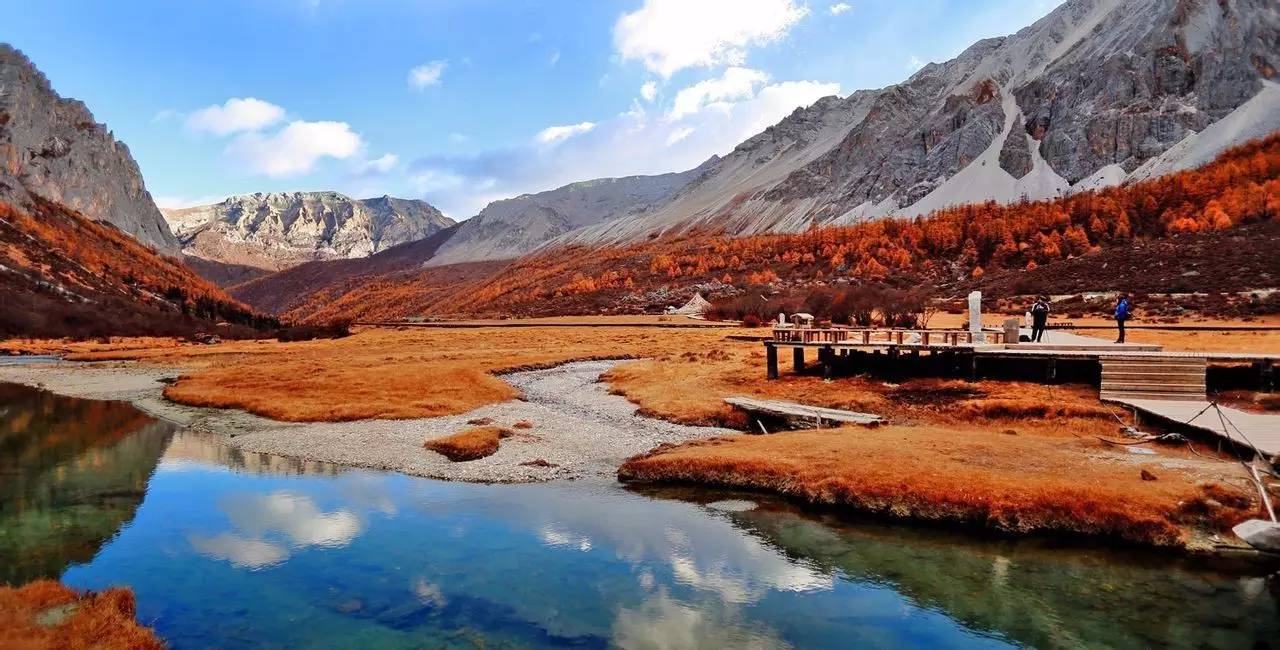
column 52, row 147
column 277, row 230
column 1096, row 92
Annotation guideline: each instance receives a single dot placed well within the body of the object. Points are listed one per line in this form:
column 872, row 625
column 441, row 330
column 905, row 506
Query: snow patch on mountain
column 1253, row 119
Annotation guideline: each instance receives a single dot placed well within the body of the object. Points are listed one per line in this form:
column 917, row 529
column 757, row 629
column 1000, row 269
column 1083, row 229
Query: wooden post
column 828, row 361
column 866, row 337
column 771, row 359
column 797, row 359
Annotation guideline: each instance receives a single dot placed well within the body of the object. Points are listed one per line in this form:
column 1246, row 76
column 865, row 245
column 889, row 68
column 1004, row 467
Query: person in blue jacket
column 1122, row 314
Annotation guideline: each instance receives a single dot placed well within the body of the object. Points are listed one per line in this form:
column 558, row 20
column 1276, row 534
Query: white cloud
column 427, row 74
column 295, row 149
column 555, row 57
column 643, row 140
column 433, row 180
column 914, row 63
column 839, row 8
column 173, row 202
column 670, row 35
column 235, row 115
column 679, row 135
column 736, row 83
column 380, row 165
column 649, row 90
column 557, row 133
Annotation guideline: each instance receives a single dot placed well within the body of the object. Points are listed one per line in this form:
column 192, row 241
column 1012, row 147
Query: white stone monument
column 975, row 317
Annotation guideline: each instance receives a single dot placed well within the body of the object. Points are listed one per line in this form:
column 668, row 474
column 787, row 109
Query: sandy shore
column 579, row 429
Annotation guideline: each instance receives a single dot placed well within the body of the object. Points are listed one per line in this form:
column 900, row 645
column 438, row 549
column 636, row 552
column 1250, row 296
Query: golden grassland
column 1014, row 482
column 386, row 373
column 96, row 620
column 1015, row 456
column 469, row 444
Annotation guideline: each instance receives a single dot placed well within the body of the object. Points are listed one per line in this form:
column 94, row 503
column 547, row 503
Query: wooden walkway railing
column 880, row 336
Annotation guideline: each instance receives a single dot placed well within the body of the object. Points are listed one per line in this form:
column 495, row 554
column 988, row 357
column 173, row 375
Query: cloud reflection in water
column 268, row 524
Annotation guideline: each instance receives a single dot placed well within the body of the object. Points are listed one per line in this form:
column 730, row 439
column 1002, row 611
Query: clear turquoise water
column 228, row 550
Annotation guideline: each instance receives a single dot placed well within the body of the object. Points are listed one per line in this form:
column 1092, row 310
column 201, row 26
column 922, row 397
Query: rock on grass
column 471, row 444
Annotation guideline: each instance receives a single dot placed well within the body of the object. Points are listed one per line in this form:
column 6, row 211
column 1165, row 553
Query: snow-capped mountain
column 1096, row 93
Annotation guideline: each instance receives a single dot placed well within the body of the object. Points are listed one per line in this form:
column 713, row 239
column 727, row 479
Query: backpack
column 1122, row 310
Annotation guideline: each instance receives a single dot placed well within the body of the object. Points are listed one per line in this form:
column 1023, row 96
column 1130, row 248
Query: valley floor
column 1011, row 456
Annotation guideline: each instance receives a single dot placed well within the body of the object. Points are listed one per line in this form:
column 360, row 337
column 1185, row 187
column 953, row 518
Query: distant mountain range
column 510, row 228
column 1096, row 93
column 279, row 231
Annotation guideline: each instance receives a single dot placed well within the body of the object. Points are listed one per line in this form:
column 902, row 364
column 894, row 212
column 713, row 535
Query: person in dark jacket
column 1123, row 312
column 1039, row 318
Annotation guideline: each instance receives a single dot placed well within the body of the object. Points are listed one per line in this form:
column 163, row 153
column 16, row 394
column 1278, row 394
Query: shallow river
column 226, row 549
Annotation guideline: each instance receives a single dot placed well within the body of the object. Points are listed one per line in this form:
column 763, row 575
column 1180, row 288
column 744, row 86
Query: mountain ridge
column 1093, row 87
column 278, row 230
column 509, row 228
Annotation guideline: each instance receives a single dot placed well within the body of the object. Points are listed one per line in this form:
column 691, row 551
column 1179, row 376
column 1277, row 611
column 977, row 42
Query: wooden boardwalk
column 1153, row 377
column 802, row 415
column 1260, row 430
column 1165, row 385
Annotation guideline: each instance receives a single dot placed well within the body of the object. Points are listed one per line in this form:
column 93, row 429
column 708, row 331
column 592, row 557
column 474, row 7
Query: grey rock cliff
column 279, row 230
column 52, row 148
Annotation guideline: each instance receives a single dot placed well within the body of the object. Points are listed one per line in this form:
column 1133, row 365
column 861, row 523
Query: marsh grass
column 47, row 614
column 470, row 444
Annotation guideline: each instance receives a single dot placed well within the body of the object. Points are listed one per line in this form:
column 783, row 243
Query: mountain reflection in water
column 233, row 549
column 72, row 472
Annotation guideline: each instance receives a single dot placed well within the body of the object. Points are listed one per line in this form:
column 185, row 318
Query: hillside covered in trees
column 62, row 274
column 946, row 251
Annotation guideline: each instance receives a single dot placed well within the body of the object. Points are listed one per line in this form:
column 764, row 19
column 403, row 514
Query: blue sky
column 462, row 102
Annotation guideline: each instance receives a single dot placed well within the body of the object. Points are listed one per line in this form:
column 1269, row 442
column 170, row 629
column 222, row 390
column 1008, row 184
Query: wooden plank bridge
column 1163, row 384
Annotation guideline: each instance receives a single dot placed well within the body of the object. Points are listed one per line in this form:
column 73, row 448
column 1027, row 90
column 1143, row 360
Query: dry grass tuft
column 470, row 444
column 523, row 424
column 1026, row 409
column 103, row 620
column 1017, row 484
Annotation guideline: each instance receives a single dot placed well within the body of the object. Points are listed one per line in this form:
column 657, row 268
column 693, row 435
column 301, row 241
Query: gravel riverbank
column 578, row 429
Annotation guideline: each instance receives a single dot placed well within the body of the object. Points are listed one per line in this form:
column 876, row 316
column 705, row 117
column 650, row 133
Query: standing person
column 1122, row 314
column 1039, row 318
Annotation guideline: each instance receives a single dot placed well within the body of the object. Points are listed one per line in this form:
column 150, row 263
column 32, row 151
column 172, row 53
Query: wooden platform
column 1153, row 377
column 1067, row 347
column 802, row 415
column 1260, row 429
